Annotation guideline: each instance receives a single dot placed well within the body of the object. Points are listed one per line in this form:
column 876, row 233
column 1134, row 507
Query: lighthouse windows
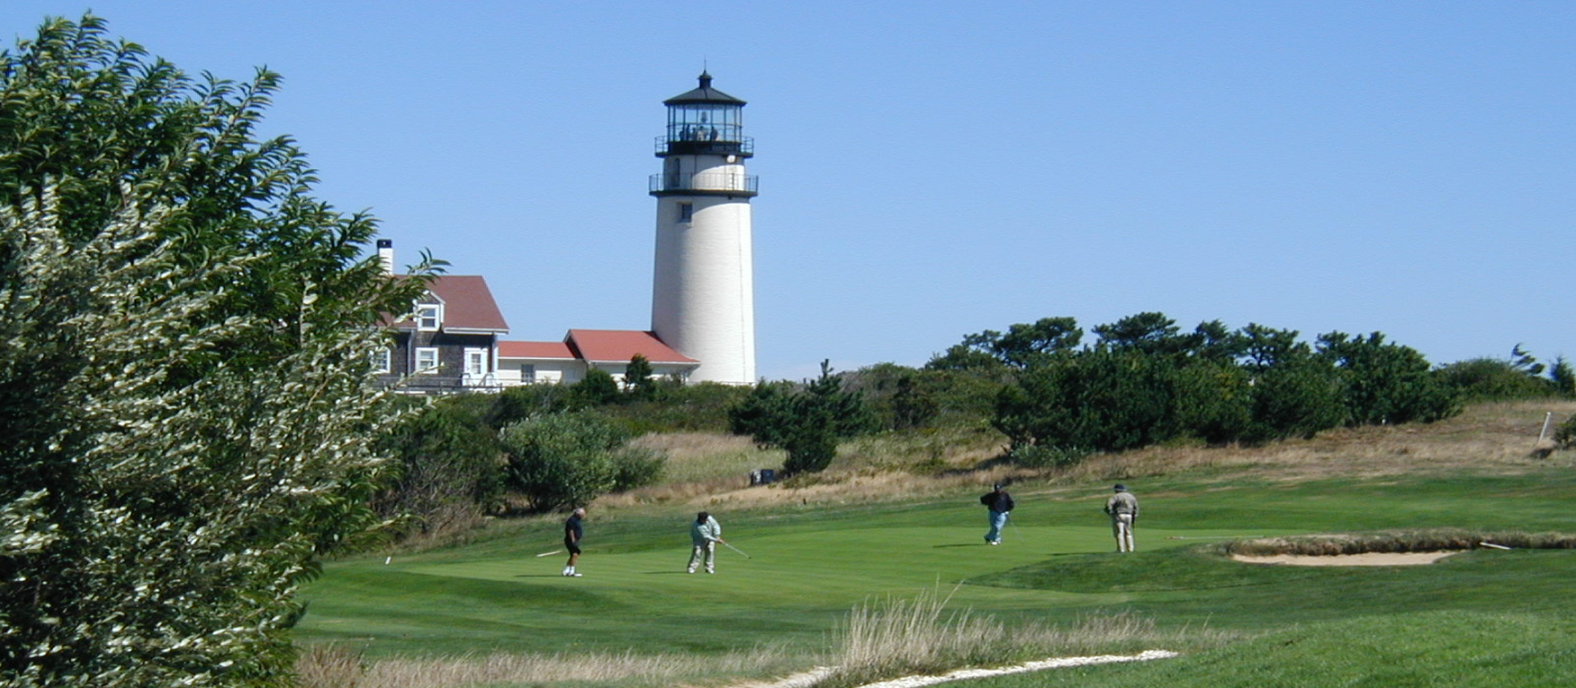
column 686, row 212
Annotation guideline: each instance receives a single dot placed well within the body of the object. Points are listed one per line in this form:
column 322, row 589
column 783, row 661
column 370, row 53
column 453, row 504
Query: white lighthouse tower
column 703, row 297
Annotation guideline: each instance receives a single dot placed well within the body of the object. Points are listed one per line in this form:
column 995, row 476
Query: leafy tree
column 1023, row 344
column 518, row 403
column 1149, row 333
column 1492, row 379
column 1214, row 401
column 596, row 389
column 1100, row 400
column 1562, row 377
column 762, row 414
column 1298, row 396
column 564, row 460
column 807, row 423
column 450, row 465
column 185, row 391
column 637, row 378
column 1386, row 383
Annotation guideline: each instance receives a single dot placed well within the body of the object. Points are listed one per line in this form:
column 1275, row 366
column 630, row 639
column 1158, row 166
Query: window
column 475, row 365
column 527, row 373
column 426, row 360
column 383, row 361
column 686, row 212
column 428, row 317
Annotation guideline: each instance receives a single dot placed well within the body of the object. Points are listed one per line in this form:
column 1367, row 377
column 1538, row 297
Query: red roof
column 468, row 305
column 619, row 346
column 535, row 350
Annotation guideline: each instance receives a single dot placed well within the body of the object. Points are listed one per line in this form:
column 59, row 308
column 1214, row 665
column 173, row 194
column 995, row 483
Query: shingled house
column 450, row 342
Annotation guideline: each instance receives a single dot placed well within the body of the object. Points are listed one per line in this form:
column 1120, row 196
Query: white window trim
column 383, row 361
column 426, row 312
column 436, row 360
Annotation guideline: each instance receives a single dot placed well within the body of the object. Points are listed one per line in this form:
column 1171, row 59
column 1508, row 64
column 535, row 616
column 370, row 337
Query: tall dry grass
column 919, row 636
column 1489, row 438
column 1399, row 541
column 338, row 667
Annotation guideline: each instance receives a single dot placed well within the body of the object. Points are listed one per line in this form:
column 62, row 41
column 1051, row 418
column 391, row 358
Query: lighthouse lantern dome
column 705, row 120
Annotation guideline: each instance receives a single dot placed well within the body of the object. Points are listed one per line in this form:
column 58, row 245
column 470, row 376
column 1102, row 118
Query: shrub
column 1491, row 379
column 561, row 460
column 807, row 423
column 450, row 467
column 1565, row 435
column 1046, row 456
column 1386, row 383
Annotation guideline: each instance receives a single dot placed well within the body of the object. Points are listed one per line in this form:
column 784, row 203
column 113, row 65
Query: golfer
column 998, row 504
column 1123, row 509
column 705, row 533
column 573, row 532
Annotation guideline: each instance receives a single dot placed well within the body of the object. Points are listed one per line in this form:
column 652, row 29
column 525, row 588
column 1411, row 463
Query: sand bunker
column 1368, row 559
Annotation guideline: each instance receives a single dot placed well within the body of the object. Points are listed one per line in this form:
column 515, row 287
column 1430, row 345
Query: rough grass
column 922, row 636
column 337, row 666
column 1399, row 541
column 712, row 469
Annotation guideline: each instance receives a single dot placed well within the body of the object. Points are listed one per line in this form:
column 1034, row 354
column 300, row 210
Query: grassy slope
column 812, row 562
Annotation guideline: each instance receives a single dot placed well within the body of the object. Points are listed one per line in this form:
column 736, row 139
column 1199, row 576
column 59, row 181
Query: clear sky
column 933, row 169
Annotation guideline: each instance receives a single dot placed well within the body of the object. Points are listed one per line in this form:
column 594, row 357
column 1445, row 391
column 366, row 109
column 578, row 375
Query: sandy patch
column 1369, row 559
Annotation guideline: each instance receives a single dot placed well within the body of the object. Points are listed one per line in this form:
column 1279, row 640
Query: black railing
column 724, row 183
column 679, row 145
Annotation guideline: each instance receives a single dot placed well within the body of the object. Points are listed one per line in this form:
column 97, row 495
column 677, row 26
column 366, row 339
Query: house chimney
column 386, row 255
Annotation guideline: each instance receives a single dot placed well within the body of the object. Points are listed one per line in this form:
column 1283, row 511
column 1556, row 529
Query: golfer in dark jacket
column 573, row 532
column 999, row 504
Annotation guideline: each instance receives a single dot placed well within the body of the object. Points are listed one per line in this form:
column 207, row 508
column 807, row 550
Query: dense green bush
column 1565, row 435
column 562, row 460
column 450, row 465
column 1492, row 379
column 806, row 422
column 1385, row 383
column 674, row 407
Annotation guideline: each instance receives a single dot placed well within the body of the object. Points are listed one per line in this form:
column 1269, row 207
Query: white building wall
column 703, row 294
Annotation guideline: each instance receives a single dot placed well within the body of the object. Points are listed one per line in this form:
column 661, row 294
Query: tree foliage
column 185, row 387
column 807, row 422
column 1146, row 381
column 449, row 465
column 564, row 460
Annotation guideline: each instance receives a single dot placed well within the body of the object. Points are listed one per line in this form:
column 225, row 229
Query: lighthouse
column 703, row 294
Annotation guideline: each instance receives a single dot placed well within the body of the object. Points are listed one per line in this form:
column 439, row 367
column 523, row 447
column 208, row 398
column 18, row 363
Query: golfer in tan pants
column 1123, row 508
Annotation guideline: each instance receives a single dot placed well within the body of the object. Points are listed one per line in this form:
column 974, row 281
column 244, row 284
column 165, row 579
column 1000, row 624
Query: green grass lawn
column 809, row 565
column 1436, row 649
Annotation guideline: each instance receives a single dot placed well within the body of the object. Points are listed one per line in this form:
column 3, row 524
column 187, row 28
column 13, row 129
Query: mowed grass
column 1437, row 649
column 810, row 564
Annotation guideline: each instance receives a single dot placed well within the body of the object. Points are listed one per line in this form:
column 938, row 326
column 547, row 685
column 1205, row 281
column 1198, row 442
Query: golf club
column 740, row 551
column 548, row 554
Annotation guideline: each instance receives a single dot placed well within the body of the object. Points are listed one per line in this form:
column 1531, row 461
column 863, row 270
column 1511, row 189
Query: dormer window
column 429, row 317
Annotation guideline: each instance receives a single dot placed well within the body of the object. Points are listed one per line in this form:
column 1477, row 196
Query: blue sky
column 933, row 169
